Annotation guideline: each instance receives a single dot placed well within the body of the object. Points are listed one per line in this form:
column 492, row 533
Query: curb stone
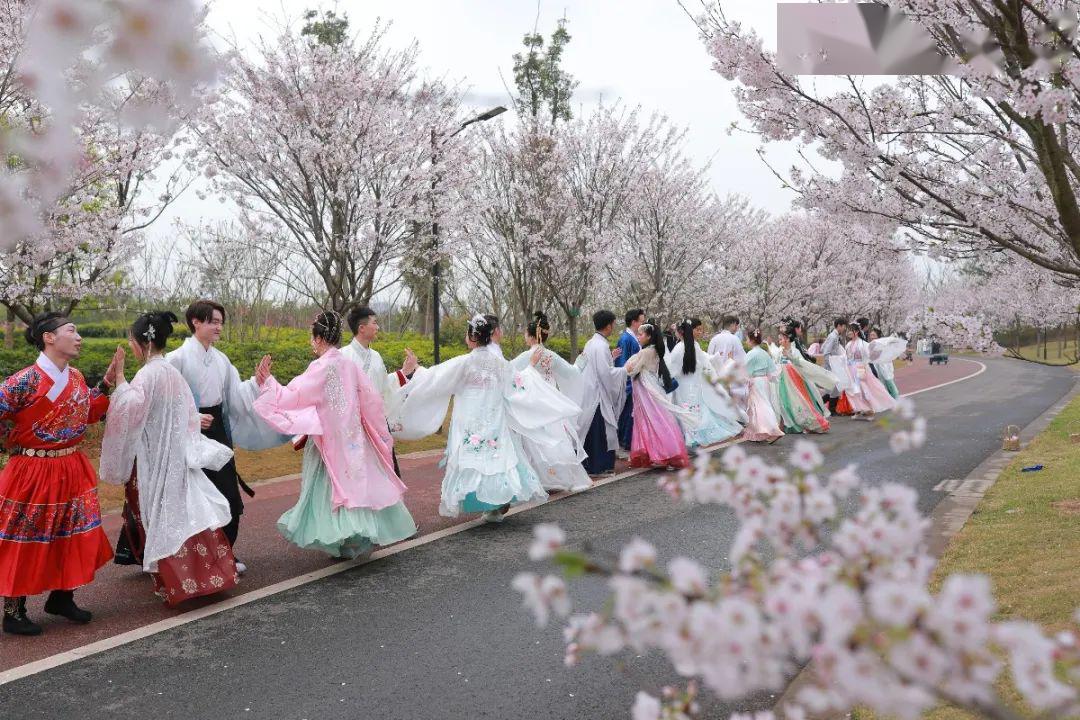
column 952, row 512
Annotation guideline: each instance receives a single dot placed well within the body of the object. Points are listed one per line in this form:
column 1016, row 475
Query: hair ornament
column 478, row 321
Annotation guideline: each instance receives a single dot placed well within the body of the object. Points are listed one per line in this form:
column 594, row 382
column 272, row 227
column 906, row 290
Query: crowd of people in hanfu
column 519, row 428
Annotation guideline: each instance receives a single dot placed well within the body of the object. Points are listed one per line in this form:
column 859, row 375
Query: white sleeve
column 124, row 423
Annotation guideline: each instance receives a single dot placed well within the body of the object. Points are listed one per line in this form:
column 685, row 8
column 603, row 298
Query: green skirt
column 345, row 532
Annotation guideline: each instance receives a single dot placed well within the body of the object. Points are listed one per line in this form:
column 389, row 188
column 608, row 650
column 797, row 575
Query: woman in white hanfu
column 558, row 465
column 495, row 408
column 717, row 418
column 154, row 426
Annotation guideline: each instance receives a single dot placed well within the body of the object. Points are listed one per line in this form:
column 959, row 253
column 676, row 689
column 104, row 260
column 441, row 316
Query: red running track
column 122, row 599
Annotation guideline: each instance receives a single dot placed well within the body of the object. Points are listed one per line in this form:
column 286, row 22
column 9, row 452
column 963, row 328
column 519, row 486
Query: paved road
column 435, row 632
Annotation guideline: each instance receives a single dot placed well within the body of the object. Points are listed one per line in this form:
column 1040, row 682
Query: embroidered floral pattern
column 476, row 443
column 29, row 522
column 335, row 390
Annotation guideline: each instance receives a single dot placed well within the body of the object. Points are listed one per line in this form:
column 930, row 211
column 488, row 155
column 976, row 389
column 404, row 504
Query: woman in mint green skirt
column 350, row 497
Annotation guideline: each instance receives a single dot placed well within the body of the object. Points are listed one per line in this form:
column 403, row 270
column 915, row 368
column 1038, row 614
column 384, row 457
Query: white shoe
column 241, row 568
column 492, row 516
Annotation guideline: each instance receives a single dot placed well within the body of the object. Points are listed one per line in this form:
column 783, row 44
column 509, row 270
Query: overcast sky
column 642, row 52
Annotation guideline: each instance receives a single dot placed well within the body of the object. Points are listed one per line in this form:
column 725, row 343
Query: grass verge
column 1025, row 535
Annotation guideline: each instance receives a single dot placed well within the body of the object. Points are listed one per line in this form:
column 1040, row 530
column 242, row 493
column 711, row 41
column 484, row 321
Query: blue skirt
column 600, row 458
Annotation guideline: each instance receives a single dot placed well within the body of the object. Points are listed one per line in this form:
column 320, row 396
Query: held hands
column 115, row 372
column 262, row 372
column 411, row 363
column 205, row 420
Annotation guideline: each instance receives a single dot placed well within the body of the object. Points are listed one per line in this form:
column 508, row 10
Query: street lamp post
column 436, row 269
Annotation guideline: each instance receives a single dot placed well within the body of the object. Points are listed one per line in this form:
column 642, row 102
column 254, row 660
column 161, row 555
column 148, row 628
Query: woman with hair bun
column 496, row 409
column 350, row 496
column 559, row 465
column 763, row 425
column 153, row 441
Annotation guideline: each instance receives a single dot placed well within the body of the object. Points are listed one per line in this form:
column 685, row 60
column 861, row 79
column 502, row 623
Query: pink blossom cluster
column 844, row 592
column 958, row 164
column 67, row 56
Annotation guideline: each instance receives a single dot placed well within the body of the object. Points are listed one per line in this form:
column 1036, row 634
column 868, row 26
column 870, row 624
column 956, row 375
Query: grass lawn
column 1034, row 352
column 1025, row 535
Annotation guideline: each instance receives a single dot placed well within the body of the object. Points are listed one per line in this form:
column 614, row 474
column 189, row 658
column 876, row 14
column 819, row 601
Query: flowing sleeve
column 202, row 452
column 124, row 428
column 571, row 383
column 815, row 373
column 886, row 349
column 427, row 398
column 247, row 427
column 293, row 409
column 522, row 361
column 635, row 364
column 536, row 409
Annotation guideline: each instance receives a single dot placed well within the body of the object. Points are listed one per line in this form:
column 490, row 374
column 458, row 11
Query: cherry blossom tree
column 808, row 266
column 599, row 159
column 345, row 147
column 672, row 238
column 91, row 94
column 982, row 160
column 519, row 200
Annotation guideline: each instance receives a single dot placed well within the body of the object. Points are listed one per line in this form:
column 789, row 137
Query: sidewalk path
column 122, row 599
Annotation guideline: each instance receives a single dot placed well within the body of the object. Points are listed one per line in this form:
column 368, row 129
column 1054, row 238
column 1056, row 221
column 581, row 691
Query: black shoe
column 17, row 623
column 20, row 625
column 62, row 603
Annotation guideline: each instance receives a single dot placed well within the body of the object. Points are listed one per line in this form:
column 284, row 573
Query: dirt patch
column 1067, row 507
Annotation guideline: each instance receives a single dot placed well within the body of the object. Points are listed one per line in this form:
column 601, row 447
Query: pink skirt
column 873, row 397
column 657, row 438
column 762, row 425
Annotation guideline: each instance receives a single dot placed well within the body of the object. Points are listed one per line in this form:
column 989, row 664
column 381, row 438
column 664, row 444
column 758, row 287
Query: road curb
column 953, row 511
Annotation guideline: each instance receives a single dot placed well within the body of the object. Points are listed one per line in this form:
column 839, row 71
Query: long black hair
column 153, row 328
column 540, row 327
column 656, row 341
column 689, row 358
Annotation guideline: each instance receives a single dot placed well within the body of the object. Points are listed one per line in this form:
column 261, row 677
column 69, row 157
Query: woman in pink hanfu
column 871, row 396
column 657, row 438
column 350, row 497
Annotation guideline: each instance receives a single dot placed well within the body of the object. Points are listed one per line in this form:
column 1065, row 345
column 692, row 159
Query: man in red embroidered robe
column 51, row 537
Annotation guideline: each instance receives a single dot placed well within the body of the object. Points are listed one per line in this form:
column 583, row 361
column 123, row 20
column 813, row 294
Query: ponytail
column 689, row 358
column 656, row 340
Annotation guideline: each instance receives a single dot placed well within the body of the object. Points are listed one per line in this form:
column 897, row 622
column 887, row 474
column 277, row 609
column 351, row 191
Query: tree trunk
column 9, row 330
column 572, row 321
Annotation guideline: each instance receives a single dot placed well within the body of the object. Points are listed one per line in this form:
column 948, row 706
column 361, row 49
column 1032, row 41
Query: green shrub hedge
column 288, row 346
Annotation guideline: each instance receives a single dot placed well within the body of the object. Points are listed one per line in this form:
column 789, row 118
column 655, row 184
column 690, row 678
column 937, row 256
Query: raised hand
column 537, row 353
column 115, row 372
column 411, row 363
column 262, row 372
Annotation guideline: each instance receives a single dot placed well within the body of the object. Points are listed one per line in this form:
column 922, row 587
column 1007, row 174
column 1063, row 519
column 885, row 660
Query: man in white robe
column 726, row 348
column 604, row 395
column 365, row 328
column 215, row 383
column 832, row 350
